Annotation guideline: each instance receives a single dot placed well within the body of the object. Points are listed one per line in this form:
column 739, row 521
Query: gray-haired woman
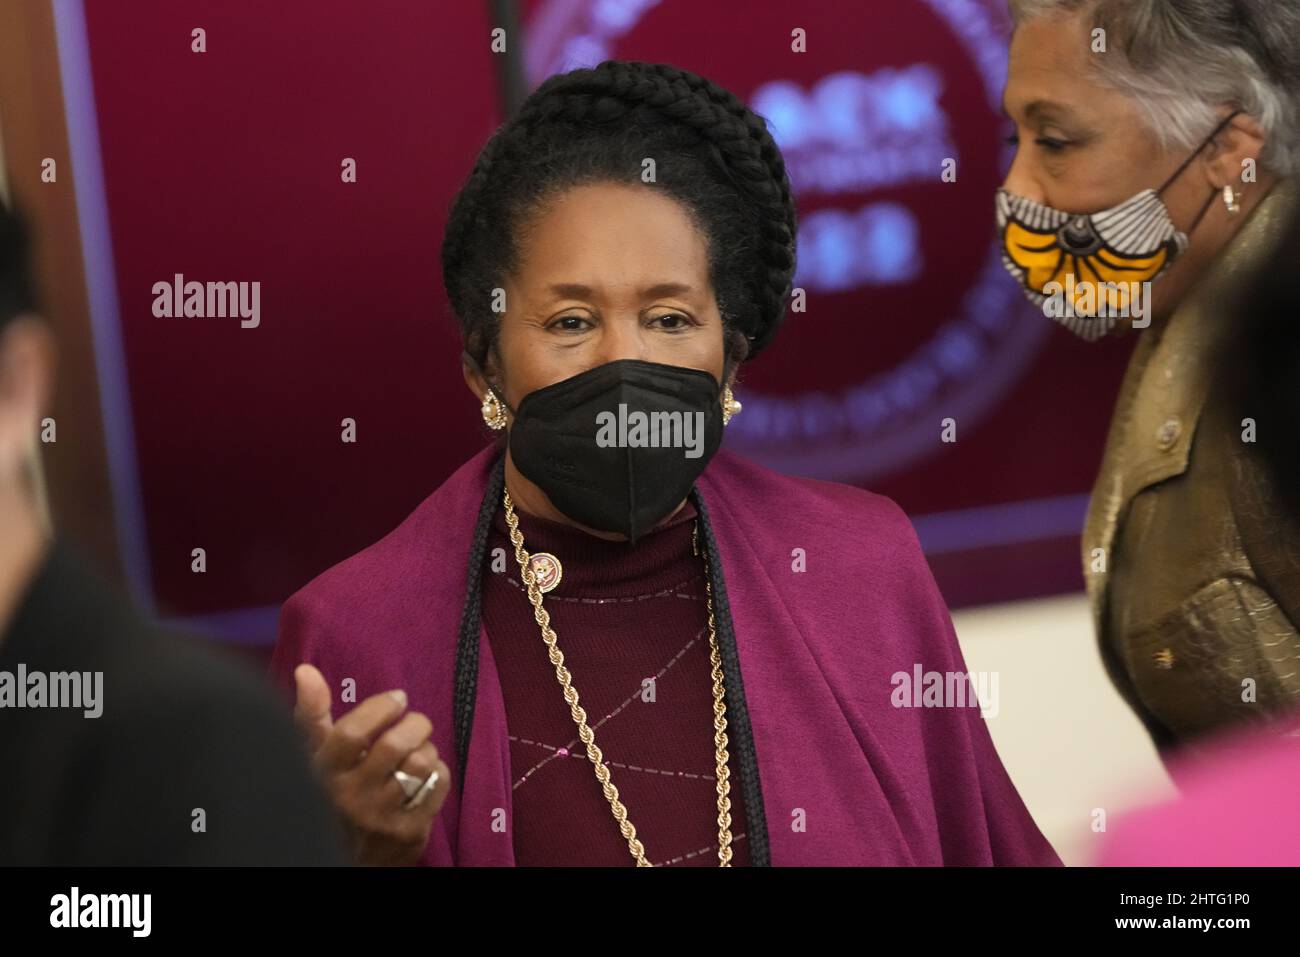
column 1157, row 141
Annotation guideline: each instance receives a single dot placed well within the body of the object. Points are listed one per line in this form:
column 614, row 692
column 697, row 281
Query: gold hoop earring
column 1230, row 200
column 730, row 406
column 494, row 413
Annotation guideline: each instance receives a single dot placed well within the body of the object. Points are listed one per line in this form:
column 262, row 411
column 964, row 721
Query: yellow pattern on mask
column 1100, row 277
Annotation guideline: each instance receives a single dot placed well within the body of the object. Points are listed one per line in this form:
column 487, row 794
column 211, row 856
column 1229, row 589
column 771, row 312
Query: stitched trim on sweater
column 573, row 742
column 704, row 850
column 669, row 592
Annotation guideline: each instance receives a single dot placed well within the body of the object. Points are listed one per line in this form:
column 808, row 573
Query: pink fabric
column 1239, row 807
column 847, row 778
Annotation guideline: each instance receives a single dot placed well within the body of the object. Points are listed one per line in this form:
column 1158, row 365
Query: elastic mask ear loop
column 1201, row 215
column 473, row 364
column 1188, row 162
column 1197, row 152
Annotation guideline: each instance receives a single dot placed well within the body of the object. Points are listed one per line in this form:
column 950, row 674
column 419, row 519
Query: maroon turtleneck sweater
column 633, row 627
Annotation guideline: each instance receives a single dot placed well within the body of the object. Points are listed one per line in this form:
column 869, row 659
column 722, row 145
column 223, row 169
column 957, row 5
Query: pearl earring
column 730, row 406
column 494, row 414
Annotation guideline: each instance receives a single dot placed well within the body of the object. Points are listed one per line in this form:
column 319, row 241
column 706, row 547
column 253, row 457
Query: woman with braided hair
column 632, row 647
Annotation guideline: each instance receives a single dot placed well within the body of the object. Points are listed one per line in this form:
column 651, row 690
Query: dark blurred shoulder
column 192, row 759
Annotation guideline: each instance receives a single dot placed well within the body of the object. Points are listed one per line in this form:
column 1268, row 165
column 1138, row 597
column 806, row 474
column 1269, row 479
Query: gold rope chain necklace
column 588, row 737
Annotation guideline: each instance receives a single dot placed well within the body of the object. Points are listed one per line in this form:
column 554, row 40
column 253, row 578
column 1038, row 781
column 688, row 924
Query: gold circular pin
column 547, row 571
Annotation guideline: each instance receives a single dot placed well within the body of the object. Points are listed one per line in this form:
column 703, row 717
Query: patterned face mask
column 1092, row 259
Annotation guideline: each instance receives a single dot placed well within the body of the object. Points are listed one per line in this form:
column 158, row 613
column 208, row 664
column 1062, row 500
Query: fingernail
column 399, row 696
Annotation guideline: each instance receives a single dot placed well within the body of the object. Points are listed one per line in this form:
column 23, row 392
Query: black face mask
column 619, row 446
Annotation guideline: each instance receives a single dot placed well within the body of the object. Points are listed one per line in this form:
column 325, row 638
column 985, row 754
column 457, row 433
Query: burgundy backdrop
column 225, row 166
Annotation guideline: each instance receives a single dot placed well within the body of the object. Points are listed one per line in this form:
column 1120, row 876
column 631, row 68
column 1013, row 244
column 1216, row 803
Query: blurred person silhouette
column 1157, row 143
column 120, row 744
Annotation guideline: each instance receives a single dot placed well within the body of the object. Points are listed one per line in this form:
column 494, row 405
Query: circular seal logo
column 547, row 571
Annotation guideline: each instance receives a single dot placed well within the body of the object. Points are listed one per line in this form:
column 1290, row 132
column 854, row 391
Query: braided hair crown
column 712, row 153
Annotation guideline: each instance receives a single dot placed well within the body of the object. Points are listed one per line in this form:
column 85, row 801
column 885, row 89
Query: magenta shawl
column 846, row 777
